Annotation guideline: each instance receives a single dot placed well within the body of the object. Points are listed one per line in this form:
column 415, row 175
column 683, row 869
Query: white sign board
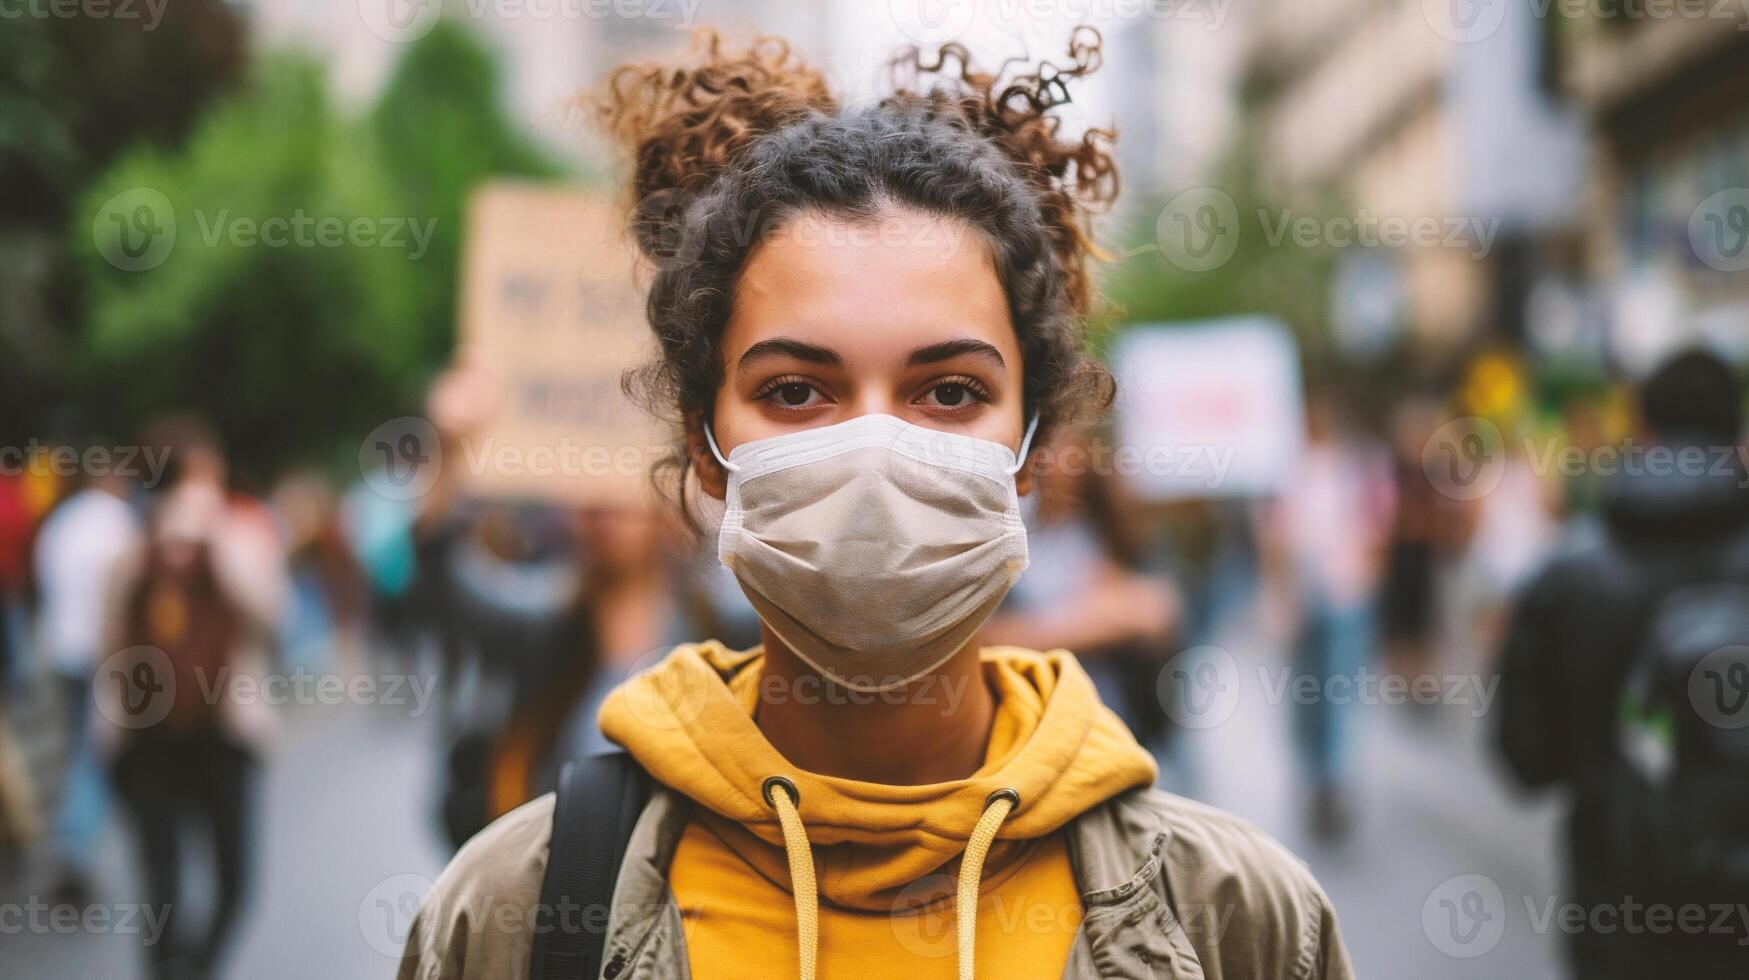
column 1208, row 409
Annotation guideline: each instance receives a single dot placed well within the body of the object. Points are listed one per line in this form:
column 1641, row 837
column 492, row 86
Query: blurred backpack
column 1676, row 831
column 178, row 607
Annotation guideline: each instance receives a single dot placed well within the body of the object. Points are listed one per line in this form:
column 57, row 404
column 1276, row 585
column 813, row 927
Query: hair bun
column 684, row 124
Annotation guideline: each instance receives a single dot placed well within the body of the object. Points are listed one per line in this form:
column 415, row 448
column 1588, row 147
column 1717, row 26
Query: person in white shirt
column 78, row 550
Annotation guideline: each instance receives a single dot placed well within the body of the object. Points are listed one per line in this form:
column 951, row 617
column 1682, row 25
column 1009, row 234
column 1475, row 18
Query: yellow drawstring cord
column 801, row 870
column 807, row 898
column 996, row 809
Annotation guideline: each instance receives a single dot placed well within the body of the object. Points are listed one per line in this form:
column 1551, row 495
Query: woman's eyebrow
column 948, row 349
column 788, row 347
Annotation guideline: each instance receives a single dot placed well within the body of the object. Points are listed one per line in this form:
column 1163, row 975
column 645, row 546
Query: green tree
column 440, row 128
column 75, row 92
column 287, row 341
column 295, row 344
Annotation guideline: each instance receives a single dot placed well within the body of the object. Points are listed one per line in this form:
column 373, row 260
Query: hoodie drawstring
column 801, row 869
column 997, row 807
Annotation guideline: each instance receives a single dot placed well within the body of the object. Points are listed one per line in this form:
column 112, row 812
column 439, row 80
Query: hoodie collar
column 689, row 722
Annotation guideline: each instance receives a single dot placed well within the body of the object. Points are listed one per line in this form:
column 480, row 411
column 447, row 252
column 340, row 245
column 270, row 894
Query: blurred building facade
column 1604, row 146
column 1406, row 114
column 1666, row 101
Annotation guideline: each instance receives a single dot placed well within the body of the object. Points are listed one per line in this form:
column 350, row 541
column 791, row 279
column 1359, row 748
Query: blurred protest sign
column 551, row 309
column 1208, row 408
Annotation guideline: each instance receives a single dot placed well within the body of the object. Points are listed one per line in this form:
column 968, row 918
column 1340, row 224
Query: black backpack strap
column 599, row 800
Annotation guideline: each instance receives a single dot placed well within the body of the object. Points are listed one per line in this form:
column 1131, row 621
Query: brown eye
column 795, row 393
column 951, row 395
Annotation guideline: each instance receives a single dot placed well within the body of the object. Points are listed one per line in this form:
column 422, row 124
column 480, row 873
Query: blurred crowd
column 517, row 617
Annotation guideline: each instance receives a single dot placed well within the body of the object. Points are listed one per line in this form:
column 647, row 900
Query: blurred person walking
column 1625, row 682
column 638, row 599
column 80, row 547
column 1326, row 544
column 872, row 791
column 197, row 606
column 18, row 814
column 1082, row 592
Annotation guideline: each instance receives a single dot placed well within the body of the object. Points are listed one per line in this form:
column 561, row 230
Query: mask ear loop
column 1025, row 445
column 731, row 467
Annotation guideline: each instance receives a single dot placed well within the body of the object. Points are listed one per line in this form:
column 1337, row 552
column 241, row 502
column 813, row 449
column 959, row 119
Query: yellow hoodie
column 885, row 861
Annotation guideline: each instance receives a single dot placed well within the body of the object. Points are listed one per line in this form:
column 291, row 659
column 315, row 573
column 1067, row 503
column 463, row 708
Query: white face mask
column 874, row 548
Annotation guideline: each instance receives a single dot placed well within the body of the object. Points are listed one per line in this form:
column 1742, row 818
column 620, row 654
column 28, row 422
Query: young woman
column 866, row 315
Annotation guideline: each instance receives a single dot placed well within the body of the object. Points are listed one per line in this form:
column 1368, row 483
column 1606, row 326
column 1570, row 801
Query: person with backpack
column 1624, row 678
column 867, row 314
column 192, row 613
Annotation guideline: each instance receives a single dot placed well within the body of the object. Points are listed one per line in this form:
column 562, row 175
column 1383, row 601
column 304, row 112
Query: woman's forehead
column 877, row 287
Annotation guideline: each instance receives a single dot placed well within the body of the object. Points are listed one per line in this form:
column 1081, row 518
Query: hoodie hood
column 689, row 722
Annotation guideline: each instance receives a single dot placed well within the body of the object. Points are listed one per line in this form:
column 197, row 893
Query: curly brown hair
column 730, row 145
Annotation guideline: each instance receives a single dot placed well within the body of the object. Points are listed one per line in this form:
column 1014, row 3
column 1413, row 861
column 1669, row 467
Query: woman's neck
column 934, row 730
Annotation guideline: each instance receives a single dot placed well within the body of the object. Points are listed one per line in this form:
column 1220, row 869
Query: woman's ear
column 712, row 478
column 1023, row 478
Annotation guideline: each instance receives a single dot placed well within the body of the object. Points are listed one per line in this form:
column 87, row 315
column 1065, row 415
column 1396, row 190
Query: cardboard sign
column 552, row 309
column 1208, row 409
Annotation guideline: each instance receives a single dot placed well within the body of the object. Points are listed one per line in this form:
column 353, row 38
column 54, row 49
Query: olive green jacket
column 1171, row 890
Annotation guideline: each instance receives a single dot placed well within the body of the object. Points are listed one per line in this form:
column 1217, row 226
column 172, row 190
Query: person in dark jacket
column 1577, row 639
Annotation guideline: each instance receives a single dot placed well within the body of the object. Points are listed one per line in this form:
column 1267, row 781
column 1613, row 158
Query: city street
column 347, row 844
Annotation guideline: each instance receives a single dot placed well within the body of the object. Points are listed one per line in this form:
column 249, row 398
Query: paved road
column 347, row 847
column 344, row 829
column 1436, row 822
